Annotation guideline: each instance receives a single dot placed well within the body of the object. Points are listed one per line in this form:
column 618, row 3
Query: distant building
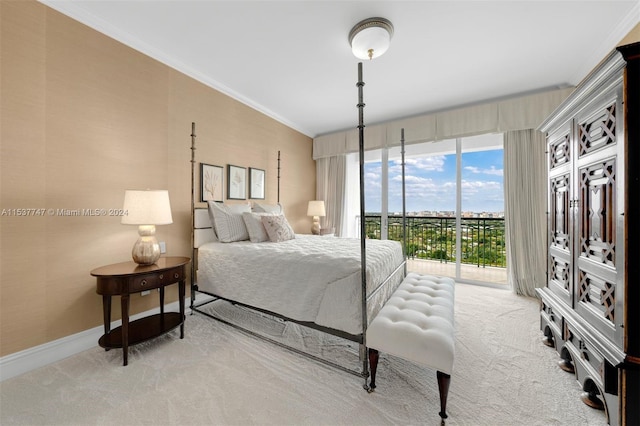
column 446, row 213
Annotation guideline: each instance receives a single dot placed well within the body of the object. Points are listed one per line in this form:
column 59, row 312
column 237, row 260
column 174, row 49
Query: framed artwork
column 236, row 182
column 211, row 182
column 256, row 183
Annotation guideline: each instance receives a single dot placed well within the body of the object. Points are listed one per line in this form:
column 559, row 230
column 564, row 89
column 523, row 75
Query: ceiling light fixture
column 371, row 38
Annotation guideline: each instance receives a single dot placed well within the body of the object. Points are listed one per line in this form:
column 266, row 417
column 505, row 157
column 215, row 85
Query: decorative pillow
column 268, row 208
column 228, row 223
column 213, row 223
column 278, row 228
column 257, row 232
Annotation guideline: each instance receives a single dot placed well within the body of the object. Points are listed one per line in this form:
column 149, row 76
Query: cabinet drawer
column 554, row 319
column 583, row 353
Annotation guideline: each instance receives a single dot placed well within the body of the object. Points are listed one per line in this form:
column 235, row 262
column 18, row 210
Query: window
column 454, row 204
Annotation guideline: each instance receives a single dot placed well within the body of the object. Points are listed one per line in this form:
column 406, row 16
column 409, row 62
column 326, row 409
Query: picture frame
column 256, row 183
column 236, row 182
column 211, row 182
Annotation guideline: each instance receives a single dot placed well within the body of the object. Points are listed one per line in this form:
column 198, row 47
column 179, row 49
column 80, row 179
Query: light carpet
column 217, row 375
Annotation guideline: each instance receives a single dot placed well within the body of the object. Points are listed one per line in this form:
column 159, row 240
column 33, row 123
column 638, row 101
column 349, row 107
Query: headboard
column 202, row 228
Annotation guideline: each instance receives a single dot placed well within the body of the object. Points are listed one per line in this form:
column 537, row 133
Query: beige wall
column 84, row 118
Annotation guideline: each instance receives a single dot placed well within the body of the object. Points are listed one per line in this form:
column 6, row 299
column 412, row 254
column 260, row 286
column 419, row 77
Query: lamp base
column 315, row 228
column 146, row 251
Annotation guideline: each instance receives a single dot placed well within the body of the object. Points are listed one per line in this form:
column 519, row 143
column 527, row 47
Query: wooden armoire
column 591, row 303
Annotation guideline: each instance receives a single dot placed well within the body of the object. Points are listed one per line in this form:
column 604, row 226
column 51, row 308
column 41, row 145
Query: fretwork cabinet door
column 561, row 217
column 598, row 245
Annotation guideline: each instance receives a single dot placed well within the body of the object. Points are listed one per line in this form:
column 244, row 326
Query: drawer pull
column 176, row 275
column 161, row 276
column 143, row 282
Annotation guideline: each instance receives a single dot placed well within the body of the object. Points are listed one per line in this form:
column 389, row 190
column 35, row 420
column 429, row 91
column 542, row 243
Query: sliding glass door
column 454, row 205
column 482, row 236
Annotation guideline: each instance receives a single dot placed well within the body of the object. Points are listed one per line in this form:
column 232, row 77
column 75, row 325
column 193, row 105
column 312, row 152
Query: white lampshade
column 370, row 38
column 146, row 207
column 316, row 208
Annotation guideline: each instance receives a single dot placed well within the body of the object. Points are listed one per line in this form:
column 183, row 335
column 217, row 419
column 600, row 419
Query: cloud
column 411, row 179
column 481, row 185
column 431, row 185
column 417, row 165
column 490, row 171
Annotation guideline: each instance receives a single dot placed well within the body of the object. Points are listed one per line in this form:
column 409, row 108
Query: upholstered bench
column 417, row 324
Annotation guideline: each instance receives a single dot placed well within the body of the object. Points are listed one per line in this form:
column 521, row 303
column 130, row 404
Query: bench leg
column 443, row 388
column 373, row 366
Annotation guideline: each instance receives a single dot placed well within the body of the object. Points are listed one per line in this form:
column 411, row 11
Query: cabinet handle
column 143, row 282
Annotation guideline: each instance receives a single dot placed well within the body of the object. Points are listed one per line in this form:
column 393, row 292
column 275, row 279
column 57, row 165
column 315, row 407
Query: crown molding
column 611, row 42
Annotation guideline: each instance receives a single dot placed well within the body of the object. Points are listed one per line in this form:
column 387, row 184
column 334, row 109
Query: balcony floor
column 487, row 274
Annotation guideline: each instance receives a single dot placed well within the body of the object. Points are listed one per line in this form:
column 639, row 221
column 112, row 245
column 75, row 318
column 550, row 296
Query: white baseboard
column 24, row 361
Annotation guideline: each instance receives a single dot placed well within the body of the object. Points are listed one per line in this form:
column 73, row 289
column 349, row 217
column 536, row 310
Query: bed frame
column 201, row 232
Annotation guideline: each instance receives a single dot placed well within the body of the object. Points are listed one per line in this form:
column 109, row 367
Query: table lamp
column 316, row 209
column 146, row 208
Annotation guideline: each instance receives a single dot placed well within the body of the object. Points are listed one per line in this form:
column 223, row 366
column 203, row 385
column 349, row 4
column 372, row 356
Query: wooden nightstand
column 123, row 279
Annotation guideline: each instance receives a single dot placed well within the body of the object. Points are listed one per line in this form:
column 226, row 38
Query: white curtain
column 525, row 187
column 350, row 223
column 330, row 187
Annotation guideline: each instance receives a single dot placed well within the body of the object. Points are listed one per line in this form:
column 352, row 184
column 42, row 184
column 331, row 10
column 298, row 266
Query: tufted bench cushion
column 417, row 324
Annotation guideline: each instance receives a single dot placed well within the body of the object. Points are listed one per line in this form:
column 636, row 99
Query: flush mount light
column 370, row 38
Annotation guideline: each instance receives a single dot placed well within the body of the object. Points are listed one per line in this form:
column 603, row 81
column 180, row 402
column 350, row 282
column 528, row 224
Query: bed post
column 404, row 203
column 193, row 175
column 363, row 254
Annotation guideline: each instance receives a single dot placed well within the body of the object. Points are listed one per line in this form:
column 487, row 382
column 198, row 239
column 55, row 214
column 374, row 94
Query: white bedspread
column 309, row 278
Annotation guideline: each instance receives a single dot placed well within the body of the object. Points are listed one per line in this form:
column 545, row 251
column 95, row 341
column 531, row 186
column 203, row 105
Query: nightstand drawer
column 155, row 280
column 144, row 282
column 172, row 275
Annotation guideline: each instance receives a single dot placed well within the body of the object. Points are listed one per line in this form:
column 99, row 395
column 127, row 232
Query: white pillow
column 228, row 223
column 213, row 223
column 268, row 208
column 257, row 232
column 278, row 228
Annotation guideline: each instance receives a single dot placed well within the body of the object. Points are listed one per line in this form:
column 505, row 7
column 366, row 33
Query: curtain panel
column 525, row 195
column 330, row 178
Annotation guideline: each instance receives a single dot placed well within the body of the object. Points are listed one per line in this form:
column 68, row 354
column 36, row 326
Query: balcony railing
column 430, row 237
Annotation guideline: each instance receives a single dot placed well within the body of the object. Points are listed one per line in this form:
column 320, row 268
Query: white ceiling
column 291, row 59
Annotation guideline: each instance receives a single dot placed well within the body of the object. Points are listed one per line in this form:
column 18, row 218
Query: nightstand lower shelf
column 142, row 330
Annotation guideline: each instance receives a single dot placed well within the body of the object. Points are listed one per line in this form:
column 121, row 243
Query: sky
column 431, row 183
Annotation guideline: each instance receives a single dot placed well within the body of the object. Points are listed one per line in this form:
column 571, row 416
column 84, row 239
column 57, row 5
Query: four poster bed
column 309, row 280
